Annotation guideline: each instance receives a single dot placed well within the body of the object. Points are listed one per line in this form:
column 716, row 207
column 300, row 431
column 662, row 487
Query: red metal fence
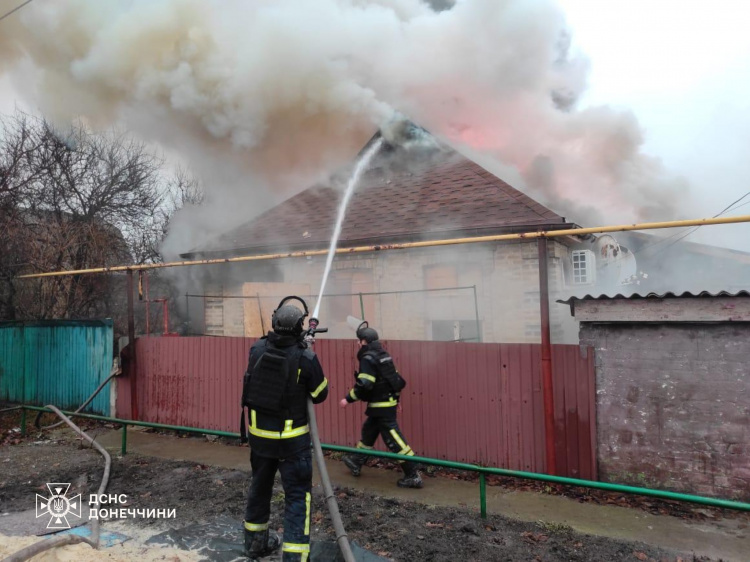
column 468, row 402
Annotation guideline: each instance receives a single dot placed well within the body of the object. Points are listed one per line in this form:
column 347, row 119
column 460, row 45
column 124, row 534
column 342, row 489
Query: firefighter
column 379, row 384
column 281, row 374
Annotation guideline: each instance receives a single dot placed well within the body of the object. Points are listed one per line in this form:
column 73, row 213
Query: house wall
column 505, row 274
column 673, row 405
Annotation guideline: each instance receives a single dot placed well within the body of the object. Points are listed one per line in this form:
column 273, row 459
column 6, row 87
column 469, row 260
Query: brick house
column 401, row 198
column 432, row 192
column 673, row 389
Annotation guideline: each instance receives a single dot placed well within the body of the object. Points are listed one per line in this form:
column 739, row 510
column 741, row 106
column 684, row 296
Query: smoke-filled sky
column 642, row 116
column 684, row 69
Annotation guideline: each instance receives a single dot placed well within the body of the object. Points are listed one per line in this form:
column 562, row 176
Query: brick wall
column 506, row 276
column 224, row 317
column 673, row 405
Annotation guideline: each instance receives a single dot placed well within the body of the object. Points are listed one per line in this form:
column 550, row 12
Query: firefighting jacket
column 282, row 436
column 371, row 386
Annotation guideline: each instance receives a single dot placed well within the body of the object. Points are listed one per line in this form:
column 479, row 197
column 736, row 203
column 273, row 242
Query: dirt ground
column 397, row 530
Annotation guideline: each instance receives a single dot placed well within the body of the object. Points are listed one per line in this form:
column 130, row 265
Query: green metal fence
column 57, row 362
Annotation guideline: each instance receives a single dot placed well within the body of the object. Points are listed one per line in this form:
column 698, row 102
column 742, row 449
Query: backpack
column 387, row 370
column 268, row 388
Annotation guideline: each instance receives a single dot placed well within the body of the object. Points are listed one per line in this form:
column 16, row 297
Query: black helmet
column 287, row 319
column 364, row 332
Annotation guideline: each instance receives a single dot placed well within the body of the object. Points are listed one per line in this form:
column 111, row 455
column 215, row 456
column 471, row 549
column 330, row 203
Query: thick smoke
column 264, row 97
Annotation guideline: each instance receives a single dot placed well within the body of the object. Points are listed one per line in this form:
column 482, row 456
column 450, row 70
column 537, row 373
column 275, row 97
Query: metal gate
column 58, row 362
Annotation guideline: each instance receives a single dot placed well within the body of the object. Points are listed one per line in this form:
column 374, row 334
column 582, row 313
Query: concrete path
column 725, row 539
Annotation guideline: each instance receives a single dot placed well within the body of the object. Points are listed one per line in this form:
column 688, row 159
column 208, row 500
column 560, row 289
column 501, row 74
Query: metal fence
column 466, row 402
column 57, row 362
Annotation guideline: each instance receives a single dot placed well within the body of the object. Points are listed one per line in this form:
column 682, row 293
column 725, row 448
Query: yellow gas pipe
column 405, row 245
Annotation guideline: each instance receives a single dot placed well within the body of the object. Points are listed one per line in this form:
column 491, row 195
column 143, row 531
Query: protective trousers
column 296, row 478
column 388, row 429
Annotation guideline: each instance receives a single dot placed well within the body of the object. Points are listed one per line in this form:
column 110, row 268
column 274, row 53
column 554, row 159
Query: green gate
column 59, row 362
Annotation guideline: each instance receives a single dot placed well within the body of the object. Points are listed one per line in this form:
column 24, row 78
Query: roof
column 405, row 195
column 653, row 247
column 668, row 295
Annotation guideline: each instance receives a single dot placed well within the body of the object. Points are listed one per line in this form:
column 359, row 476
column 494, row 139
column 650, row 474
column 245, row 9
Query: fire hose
column 333, row 507
column 42, row 546
column 115, row 371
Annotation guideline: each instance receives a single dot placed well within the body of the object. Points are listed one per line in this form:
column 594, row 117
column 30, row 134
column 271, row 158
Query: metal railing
column 483, row 471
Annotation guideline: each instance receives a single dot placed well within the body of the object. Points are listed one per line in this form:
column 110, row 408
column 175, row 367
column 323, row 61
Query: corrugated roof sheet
column 667, row 295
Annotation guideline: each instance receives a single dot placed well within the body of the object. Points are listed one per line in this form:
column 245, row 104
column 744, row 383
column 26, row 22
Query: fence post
column 124, row 448
column 483, row 495
column 131, row 345
column 23, row 421
column 476, row 314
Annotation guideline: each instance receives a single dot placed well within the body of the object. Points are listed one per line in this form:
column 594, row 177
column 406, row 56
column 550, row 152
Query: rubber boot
column 293, row 557
column 411, row 478
column 354, row 463
column 260, row 543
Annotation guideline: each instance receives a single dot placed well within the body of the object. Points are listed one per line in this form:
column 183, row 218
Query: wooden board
column 258, row 311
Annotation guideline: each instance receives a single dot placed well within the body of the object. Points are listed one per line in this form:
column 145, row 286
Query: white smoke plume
column 264, row 97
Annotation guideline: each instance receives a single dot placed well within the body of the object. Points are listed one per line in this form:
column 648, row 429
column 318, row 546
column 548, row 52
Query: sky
column 682, row 67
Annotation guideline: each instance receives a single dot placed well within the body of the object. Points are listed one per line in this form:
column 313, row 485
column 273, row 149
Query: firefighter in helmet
column 281, row 374
column 379, row 384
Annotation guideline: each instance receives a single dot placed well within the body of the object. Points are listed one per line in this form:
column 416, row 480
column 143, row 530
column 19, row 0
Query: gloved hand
column 309, row 340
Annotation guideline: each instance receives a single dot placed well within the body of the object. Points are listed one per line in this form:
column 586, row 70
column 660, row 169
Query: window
column 584, row 268
column 349, row 282
column 452, row 315
column 455, row 330
column 440, row 277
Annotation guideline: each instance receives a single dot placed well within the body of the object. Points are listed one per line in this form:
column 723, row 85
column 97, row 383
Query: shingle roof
column 429, row 200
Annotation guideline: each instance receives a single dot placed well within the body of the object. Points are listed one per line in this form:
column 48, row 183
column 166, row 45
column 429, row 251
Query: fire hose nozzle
column 313, row 329
column 313, row 323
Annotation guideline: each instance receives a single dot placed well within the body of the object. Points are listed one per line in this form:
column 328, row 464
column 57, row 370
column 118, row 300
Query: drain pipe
column 42, row 546
column 333, row 508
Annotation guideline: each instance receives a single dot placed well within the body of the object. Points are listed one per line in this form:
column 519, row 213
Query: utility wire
column 683, row 233
column 697, row 227
column 14, row 10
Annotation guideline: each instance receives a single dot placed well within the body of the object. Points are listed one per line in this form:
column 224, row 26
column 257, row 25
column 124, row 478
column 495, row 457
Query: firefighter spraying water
column 282, row 382
column 283, row 373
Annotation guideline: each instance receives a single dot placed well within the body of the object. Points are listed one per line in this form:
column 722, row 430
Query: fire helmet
column 287, row 319
column 364, row 332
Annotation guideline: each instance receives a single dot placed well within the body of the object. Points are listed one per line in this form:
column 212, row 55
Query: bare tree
column 181, row 188
column 76, row 200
